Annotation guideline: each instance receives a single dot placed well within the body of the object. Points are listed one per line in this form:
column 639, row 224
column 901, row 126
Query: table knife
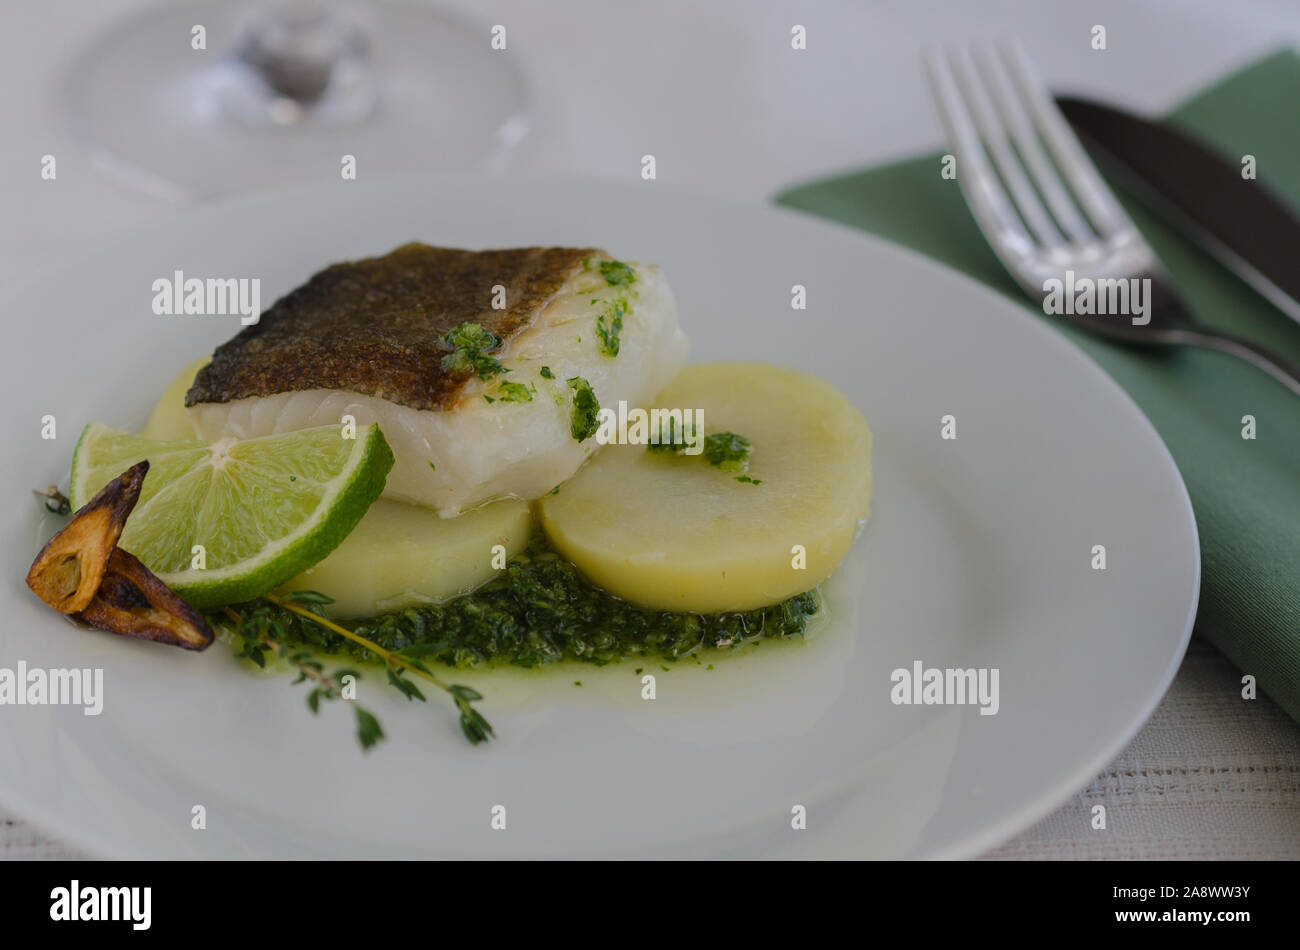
column 1236, row 219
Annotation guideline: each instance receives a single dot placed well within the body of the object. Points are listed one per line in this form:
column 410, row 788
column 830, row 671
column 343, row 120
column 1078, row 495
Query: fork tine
column 994, row 136
column 1093, row 194
column 1007, row 102
column 979, row 183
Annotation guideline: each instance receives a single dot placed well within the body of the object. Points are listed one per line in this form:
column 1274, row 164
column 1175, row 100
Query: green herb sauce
column 723, row 450
column 669, row 440
column 583, row 422
column 617, row 274
column 609, row 326
column 727, row 451
column 514, row 392
column 469, row 343
column 609, row 323
column 541, row 610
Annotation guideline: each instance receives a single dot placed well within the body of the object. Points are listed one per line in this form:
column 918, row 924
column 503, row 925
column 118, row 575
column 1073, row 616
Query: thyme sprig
column 61, row 505
column 273, row 618
column 261, row 630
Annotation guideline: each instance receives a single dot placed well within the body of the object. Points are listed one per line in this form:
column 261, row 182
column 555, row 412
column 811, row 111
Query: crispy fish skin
column 476, row 444
column 376, row 326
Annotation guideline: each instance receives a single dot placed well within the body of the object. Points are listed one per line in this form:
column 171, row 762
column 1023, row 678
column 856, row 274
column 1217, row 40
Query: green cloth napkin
column 1246, row 494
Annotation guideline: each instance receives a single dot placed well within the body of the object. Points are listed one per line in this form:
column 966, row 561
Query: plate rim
column 973, row 842
column 981, row 840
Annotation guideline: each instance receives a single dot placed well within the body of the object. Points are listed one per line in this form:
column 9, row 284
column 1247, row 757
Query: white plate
column 977, row 555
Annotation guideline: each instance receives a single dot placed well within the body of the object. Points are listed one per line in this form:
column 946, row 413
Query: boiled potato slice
column 170, row 420
column 402, row 555
column 676, row 533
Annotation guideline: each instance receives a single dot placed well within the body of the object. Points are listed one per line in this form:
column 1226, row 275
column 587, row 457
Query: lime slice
column 228, row 521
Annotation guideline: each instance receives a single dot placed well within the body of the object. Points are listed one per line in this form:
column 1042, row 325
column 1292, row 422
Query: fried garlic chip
column 69, row 569
column 133, row 602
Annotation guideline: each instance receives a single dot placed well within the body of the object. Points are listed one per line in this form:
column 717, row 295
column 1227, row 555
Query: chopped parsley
column 586, row 409
column 546, row 373
column 431, row 465
column 749, row 481
column 469, row 344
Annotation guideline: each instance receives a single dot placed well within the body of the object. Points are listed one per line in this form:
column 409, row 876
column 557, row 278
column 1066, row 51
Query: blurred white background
column 711, row 88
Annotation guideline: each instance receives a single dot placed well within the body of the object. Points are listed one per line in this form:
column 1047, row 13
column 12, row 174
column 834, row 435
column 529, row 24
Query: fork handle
column 1283, row 370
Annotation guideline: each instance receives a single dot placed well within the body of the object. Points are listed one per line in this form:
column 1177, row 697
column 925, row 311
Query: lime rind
column 262, row 547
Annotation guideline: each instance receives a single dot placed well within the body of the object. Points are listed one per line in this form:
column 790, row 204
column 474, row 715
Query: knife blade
column 1239, row 221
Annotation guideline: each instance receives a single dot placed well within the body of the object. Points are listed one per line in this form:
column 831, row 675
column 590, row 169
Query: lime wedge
column 228, row 521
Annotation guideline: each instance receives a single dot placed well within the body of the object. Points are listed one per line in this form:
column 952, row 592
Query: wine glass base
column 186, row 124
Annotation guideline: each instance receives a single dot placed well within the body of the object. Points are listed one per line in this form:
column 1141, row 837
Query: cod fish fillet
column 368, row 339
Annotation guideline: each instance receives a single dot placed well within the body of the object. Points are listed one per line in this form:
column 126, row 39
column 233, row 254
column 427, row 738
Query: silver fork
column 1042, row 222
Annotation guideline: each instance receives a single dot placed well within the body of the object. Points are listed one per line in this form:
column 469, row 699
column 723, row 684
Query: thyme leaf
column 281, row 624
column 260, row 631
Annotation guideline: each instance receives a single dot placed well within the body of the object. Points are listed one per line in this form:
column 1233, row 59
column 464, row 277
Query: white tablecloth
column 1210, row 776
column 695, row 83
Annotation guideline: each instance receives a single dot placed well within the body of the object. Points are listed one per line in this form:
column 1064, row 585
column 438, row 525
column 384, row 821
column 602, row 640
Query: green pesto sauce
column 727, row 451
column 609, row 323
column 723, row 450
column 540, row 610
column 469, row 344
column 514, row 392
column 583, row 420
column 609, row 326
column 615, row 273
